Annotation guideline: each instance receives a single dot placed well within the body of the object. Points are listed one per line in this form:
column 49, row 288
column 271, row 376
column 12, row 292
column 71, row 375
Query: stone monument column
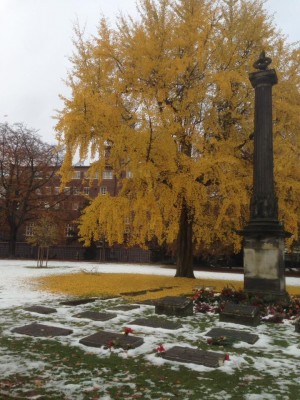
column 264, row 235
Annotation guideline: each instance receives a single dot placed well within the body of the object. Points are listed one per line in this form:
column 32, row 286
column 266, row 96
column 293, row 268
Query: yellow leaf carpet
column 107, row 284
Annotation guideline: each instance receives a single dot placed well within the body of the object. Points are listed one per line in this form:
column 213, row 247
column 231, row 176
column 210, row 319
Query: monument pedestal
column 264, row 265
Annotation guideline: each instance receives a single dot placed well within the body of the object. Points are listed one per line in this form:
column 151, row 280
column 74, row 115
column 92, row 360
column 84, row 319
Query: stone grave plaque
column 41, row 330
column 195, row 356
column 77, row 302
column 240, row 314
column 297, row 325
column 139, row 293
column 126, row 307
column 148, row 302
column 96, row 316
column 156, row 323
column 172, row 305
column 107, row 339
column 40, row 309
column 234, row 334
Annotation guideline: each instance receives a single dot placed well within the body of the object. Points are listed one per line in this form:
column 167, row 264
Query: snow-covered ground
column 266, row 357
column 15, row 277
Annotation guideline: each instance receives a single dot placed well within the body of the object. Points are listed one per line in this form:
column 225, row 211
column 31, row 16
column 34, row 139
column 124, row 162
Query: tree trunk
column 12, row 243
column 47, row 256
column 184, row 264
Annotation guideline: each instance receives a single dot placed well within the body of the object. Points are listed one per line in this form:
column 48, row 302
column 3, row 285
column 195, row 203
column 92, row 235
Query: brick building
column 65, row 207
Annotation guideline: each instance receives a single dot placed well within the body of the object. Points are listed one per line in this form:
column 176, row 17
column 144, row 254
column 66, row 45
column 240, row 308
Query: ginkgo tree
column 164, row 99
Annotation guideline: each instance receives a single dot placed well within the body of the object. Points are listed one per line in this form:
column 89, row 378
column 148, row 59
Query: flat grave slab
column 138, row 293
column 148, row 302
column 172, row 305
column 77, row 302
column 156, row 323
column 234, row 334
column 96, row 316
column 41, row 330
column 40, row 309
column 195, row 356
column 108, row 339
column 240, row 314
column 126, row 307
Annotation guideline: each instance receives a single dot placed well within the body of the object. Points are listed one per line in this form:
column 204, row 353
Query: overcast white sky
column 36, row 41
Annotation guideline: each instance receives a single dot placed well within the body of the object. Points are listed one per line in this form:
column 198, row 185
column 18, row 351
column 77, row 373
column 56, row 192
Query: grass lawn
column 62, row 369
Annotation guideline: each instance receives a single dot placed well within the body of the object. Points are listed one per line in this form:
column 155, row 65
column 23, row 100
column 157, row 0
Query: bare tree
column 27, row 165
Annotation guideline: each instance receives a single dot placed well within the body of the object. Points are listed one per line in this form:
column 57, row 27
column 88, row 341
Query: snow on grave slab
column 173, row 305
column 233, row 334
column 195, row 356
column 41, row 330
column 126, row 307
column 111, row 339
column 156, row 323
column 240, row 314
column 41, row 309
column 96, row 316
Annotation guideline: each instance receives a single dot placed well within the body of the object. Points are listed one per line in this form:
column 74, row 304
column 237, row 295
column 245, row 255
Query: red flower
column 227, row 358
column 127, row 331
column 160, row 349
column 110, row 344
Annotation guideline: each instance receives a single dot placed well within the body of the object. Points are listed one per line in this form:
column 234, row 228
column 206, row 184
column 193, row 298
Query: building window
column 29, row 229
column 70, row 230
column 76, row 190
column 67, row 190
column 86, row 190
column 38, row 175
column 128, row 174
column 76, row 175
column 103, row 190
column 56, row 190
column 75, row 206
column 107, row 174
column 48, row 190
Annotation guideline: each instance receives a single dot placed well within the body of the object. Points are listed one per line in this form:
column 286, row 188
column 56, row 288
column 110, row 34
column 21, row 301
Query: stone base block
column 171, row 305
column 264, row 265
column 240, row 314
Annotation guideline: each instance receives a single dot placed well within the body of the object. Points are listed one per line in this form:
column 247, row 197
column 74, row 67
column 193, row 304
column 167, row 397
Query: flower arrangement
column 160, row 350
column 270, row 308
column 205, row 301
column 127, row 331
